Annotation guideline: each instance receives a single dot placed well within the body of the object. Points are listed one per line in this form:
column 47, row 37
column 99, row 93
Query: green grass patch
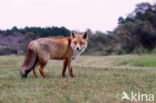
column 141, row 61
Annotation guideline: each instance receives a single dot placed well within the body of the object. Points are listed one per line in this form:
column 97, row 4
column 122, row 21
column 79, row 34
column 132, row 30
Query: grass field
column 99, row 79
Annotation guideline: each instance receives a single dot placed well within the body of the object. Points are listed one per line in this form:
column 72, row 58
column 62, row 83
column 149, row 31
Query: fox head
column 79, row 41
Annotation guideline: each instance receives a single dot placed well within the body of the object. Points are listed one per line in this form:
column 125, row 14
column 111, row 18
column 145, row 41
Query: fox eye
column 81, row 43
column 75, row 42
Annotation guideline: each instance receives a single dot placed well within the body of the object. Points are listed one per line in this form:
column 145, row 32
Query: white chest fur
column 76, row 54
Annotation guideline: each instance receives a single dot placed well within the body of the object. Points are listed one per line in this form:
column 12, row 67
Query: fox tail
column 29, row 63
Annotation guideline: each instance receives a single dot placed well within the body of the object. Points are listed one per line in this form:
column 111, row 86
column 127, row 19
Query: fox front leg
column 70, row 69
column 65, row 63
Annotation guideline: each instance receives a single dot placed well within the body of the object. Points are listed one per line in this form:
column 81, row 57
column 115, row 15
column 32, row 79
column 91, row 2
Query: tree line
column 135, row 33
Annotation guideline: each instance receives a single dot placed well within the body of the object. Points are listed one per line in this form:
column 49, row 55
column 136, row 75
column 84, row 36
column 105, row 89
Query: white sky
column 74, row 14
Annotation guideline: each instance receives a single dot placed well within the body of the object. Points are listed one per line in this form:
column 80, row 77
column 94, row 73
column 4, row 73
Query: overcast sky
column 74, row 14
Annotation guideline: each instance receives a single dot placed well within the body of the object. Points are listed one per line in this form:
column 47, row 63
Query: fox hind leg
column 42, row 65
column 34, row 70
column 43, row 60
column 35, row 67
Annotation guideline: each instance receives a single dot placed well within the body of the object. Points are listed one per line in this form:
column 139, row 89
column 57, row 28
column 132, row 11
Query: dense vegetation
column 16, row 40
column 135, row 33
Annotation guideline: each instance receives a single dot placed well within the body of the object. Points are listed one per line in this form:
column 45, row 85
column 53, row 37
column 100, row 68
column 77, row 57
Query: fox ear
column 73, row 34
column 85, row 35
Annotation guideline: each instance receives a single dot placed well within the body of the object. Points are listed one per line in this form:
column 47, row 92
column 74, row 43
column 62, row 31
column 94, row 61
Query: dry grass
column 94, row 82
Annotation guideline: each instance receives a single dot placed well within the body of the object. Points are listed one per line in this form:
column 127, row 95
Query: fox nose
column 78, row 48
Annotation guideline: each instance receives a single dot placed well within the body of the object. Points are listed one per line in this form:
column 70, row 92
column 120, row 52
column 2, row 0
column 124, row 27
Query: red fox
column 41, row 50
